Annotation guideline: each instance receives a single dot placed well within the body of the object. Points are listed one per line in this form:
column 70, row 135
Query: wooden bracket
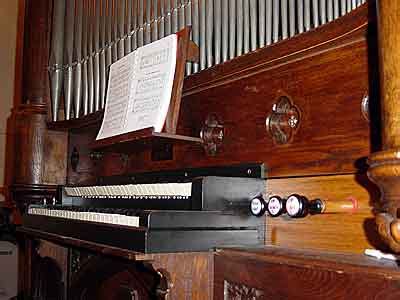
column 187, row 51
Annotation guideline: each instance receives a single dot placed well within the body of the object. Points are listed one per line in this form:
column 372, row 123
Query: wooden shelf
column 124, row 143
column 91, row 246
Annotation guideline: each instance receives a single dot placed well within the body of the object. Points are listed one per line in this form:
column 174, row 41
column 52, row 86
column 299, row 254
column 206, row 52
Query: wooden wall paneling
column 191, row 274
column 277, row 273
column 344, row 232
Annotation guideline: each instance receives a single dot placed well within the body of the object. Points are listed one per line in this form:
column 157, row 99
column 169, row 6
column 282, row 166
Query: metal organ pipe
column 102, row 54
column 261, row 22
column 140, row 10
column 147, row 26
column 217, row 31
column 56, row 56
column 246, row 26
column 195, row 28
column 225, row 30
column 292, row 18
column 128, row 28
column 154, row 22
column 268, row 22
column 239, row 27
column 307, row 15
column 275, row 18
column 68, row 50
column 253, row 25
column 202, row 45
column 232, row 28
column 96, row 57
column 90, row 64
column 188, row 22
column 161, row 25
column 78, row 58
column 89, row 35
column 85, row 90
column 209, row 31
column 284, row 19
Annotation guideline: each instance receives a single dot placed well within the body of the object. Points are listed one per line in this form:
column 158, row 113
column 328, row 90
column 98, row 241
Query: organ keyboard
column 180, row 213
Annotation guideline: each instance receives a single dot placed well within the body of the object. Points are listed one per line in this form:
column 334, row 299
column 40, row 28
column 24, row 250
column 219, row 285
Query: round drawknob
column 258, row 206
column 296, row 206
column 275, row 206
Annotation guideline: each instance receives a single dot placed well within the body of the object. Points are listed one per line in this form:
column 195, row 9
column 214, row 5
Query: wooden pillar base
column 384, row 170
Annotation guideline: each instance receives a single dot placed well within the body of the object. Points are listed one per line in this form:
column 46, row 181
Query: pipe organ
column 88, row 36
column 294, row 126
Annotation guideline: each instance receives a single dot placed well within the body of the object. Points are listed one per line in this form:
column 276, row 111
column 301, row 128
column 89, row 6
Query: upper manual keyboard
column 132, row 190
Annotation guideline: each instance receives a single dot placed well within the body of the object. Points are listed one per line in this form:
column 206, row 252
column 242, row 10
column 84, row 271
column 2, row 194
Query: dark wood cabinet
column 280, row 273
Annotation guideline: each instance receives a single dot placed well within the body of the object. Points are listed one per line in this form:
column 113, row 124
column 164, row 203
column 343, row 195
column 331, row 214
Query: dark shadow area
column 47, row 280
column 373, row 78
column 106, row 278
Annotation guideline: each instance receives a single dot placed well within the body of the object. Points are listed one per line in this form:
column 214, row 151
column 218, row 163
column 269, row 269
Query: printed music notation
column 139, row 89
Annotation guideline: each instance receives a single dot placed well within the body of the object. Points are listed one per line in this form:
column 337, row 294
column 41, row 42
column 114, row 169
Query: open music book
column 139, row 89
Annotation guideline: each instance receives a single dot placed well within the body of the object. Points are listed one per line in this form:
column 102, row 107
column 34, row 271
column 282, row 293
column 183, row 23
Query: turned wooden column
column 385, row 165
column 40, row 154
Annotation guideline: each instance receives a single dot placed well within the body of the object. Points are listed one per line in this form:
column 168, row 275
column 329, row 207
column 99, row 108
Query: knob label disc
column 292, row 206
column 274, row 206
column 256, row 206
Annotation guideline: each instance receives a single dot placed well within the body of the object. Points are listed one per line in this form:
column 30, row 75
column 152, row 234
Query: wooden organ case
column 302, row 100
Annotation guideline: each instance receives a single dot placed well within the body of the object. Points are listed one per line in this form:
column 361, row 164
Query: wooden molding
column 2, row 190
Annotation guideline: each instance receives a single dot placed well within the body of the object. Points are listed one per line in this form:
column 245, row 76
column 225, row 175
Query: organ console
column 192, row 216
column 288, row 120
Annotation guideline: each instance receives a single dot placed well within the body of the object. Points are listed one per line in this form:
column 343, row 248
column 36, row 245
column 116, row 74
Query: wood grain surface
column 345, row 231
column 283, row 274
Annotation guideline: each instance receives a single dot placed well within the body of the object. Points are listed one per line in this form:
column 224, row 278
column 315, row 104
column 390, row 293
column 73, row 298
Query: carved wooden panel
column 234, row 291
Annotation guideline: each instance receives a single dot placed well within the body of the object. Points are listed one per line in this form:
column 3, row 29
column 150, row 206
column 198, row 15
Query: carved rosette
column 233, row 291
column 284, row 120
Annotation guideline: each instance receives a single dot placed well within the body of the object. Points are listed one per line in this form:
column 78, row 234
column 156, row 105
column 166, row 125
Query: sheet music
column 140, row 87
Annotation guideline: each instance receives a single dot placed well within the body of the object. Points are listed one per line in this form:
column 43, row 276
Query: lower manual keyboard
column 147, row 231
column 125, row 217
